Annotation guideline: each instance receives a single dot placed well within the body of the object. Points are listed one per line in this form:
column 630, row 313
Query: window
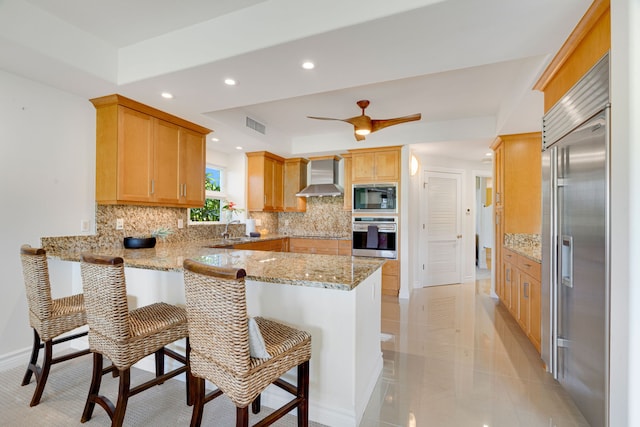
column 215, row 197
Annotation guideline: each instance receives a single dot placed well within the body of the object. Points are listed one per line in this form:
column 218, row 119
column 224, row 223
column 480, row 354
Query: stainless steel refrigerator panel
column 547, row 314
column 582, row 283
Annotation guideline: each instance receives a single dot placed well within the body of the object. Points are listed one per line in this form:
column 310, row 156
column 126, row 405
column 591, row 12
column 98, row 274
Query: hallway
column 453, row 356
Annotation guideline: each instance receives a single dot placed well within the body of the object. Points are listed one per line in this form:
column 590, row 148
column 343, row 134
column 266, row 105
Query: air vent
column 257, row 126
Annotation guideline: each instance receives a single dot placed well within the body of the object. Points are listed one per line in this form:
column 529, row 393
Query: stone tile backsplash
column 324, row 217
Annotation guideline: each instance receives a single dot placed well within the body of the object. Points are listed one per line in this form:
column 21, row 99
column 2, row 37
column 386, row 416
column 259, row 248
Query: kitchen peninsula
column 335, row 298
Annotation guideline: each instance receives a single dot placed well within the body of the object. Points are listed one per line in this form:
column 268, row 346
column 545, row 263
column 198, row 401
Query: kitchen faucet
column 225, row 235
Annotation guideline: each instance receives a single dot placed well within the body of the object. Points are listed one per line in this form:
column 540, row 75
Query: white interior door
column 443, row 239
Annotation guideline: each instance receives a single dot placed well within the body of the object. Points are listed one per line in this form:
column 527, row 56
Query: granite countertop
column 527, row 245
column 314, row 270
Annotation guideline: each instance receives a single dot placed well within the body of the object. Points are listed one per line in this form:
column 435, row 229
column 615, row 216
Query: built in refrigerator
column 575, row 243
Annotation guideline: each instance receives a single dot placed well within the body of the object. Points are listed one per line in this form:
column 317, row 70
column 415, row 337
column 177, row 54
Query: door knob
column 459, row 236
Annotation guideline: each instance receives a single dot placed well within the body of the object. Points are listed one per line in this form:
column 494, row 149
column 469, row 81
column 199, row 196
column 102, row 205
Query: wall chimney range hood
column 323, row 179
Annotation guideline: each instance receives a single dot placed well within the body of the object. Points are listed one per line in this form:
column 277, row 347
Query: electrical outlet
column 258, row 222
column 180, row 223
column 119, row 224
column 84, row 226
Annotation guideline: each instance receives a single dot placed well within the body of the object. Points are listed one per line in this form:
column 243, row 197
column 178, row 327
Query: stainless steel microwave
column 375, row 198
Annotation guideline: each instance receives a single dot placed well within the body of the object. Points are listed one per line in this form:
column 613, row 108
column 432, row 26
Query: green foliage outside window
column 211, row 209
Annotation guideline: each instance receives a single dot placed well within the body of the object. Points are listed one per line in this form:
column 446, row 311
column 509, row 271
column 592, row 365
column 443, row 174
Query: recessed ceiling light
column 215, row 139
column 230, row 82
column 238, row 148
column 308, row 65
column 489, row 154
column 167, row 95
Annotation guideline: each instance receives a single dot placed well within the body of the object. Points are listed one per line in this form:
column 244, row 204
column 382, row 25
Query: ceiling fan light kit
column 364, row 125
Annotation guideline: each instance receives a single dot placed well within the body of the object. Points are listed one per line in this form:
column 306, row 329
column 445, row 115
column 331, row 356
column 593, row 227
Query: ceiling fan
column 364, row 125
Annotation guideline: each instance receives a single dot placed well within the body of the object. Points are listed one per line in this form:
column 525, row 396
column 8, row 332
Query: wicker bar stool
column 220, row 347
column 125, row 336
column 48, row 317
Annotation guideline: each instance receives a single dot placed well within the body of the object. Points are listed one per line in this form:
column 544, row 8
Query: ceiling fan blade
column 325, row 118
column 381, row 124
column 359, row 137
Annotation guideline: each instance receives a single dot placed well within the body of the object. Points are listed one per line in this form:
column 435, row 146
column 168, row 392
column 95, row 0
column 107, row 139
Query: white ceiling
column 468, row 66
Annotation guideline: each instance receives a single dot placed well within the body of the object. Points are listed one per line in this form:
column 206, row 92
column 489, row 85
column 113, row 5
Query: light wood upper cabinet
column 265, row 183
column 147, row 157
column 518, row 181
column 192, row 161
column 348, row 186
column 376, row 165
column 498, row 168
column 295, row 179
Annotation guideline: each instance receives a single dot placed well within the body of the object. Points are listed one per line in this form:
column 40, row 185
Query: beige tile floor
column 454, row 357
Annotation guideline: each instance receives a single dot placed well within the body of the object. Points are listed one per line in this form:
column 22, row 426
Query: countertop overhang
column 313, row 270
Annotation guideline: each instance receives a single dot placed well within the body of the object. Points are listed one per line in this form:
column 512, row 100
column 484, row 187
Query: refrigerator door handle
column 567, row 261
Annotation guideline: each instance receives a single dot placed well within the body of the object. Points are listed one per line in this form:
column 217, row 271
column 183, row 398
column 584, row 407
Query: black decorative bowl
column 139, row 242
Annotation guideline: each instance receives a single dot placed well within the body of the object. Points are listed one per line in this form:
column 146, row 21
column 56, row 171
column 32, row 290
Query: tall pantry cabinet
column 517, row 210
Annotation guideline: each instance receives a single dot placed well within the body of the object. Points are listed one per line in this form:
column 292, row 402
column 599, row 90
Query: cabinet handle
column 508, row 274
column 526, row 290
column 153, row 186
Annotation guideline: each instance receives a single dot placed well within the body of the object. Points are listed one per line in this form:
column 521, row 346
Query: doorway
column 483, row 224
column 442, row 243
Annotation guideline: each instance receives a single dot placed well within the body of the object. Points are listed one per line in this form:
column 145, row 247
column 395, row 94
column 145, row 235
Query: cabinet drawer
column 530, row 267
column 509, row 256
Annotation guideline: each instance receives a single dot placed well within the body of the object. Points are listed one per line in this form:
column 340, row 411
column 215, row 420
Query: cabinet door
column 534, row 313
column 348, row 187
column 387, row 166
column 278, row 186
column 498, row 169
column 391, row 278
column 135, row 156
column 507, row 273
column 256, row 176
column 498, row 240
column 524, row 290
column 295, row 179
column 363, row 165
column 165, row 186
column 192, row 166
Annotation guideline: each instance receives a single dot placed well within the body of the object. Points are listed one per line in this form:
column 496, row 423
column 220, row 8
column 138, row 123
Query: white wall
column 417, row 197
column 625, row 214
column 47, row 171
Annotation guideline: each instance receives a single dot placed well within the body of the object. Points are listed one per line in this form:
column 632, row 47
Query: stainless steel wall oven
column 375, row 237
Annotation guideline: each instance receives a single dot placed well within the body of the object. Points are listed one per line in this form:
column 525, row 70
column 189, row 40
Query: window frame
column 213, row 195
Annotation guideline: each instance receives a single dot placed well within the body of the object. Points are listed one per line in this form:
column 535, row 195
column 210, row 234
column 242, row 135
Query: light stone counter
column 322, row 271
column 527, row 245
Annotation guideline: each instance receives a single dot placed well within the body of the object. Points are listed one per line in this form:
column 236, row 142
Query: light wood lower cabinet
column 275, row 245
column 391, row 277
column 320, row 246
column 520, row 292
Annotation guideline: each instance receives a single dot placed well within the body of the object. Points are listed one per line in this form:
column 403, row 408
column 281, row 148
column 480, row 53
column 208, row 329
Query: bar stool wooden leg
column 197, row 394
column 123, row 398
column 43, row 374
column 255, row 405
column 33, row 362
column 96, row 379
column 242, row 417
column 303, row 394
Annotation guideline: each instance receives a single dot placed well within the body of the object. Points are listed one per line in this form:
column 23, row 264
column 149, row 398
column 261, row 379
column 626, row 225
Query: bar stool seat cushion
column 66, row 313
column 150, row 328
